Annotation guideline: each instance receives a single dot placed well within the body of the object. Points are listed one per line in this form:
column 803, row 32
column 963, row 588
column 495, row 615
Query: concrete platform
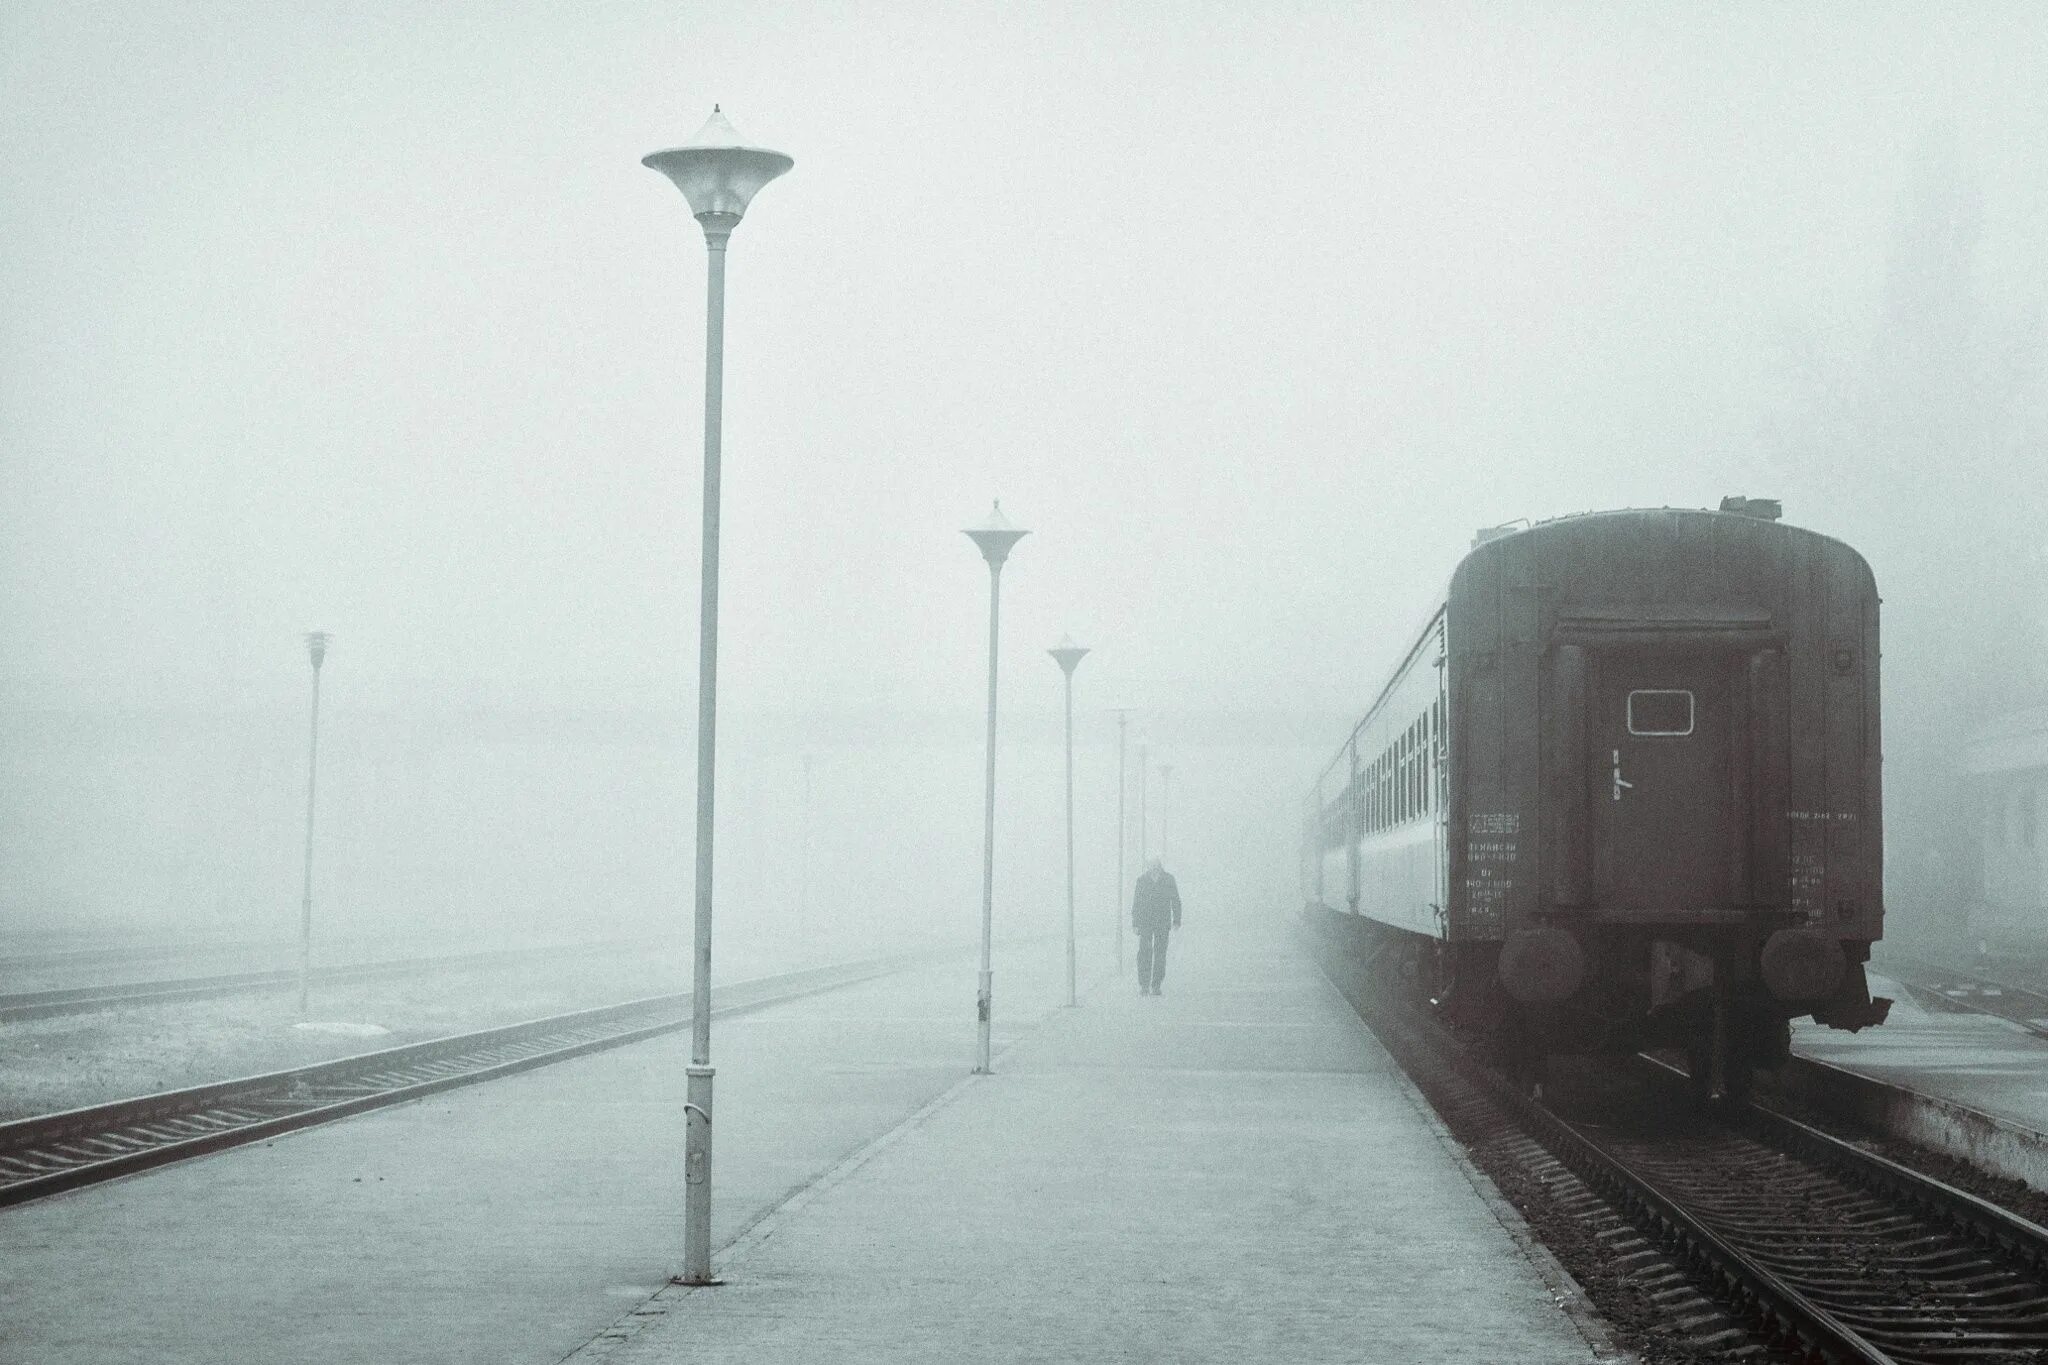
column 1234, row 1171
column 505, row 1222
column 1992, row 1065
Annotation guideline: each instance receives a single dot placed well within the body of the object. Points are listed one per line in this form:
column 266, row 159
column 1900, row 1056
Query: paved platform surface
column 1989, row 1064
column 1234, row 1171
column 506, row 1222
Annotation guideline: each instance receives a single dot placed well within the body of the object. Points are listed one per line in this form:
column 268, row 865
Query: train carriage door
column 1659, row 756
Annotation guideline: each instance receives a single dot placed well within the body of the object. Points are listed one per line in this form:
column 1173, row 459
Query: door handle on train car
column 1619, row 785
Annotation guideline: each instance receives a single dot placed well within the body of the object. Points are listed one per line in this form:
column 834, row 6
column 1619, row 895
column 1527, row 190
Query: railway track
column 16, row 961
column 1957, row 989
column 52, row 1153
column 1820, row 1250
column 18, row 1005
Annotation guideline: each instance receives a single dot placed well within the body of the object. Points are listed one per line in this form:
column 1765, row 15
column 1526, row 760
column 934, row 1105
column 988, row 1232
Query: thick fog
column 367, row 318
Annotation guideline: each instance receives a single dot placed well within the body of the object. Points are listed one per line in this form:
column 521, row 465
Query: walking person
column 1155, row 913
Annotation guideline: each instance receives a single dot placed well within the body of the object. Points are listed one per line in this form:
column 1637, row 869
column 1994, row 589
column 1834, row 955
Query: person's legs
column 1145, row 960
column 1158, row 958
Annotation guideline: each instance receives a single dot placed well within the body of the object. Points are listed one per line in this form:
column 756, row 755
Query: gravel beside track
column 1920, row 1271
column 1817, row 1249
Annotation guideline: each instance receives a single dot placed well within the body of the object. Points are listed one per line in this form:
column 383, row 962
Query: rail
column 51, row 1153
column 40, row 1004
column 1824, row 1250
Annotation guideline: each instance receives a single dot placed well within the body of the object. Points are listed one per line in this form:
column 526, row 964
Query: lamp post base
column 697, row 1178
column 982, row 1009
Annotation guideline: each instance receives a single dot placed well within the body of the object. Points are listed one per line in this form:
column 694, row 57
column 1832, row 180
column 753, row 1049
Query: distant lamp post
column 1165, row 805
column 803, row 890
column 1144, row 823
column 1068, row 655
column 316, row 650
column 719, row 176
column 1123, row 715
column 993, row 538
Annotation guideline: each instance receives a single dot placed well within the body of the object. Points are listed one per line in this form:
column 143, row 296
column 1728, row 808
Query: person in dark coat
column 1155, row 913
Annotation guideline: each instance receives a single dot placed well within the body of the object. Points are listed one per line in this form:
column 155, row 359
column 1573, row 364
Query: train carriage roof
column 1592, row 529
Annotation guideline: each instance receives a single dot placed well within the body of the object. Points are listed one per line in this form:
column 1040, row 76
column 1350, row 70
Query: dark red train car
column 1638, row 801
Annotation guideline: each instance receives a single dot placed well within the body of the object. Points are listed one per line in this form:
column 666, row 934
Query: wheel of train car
column 1699, row 1074
column 1516, row 1052
column 1755, row 1043
column 1439, row 974
column 1771, row 1044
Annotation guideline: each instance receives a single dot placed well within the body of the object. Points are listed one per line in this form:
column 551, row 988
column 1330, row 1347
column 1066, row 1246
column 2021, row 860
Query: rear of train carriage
column 1624, row 790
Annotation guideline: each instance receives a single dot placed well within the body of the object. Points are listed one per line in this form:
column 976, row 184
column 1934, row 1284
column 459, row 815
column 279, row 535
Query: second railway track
column 39, row 1004
column 1821, row 1250
column 51, row 1153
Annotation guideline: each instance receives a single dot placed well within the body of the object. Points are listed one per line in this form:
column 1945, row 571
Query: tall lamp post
column 1123, row 715
column 1068, row 655
column 316, row 650
column 719, row 175
column 993, row 538
column 803, row 891
column 1144, row 825
column 1165, row 806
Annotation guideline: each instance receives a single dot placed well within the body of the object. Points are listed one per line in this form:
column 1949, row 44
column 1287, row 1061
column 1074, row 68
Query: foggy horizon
column 371, row 321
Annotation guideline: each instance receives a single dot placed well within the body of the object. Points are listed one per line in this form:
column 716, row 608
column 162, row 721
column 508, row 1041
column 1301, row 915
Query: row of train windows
column 1405, row 782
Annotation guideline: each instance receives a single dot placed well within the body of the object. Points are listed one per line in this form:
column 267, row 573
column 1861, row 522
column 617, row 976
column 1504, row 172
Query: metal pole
column 1144, row 826
column 1122, row 829
column 1070, row 839
column 697, row 1106
column 1165, row 805
column 988, row 827
column 306, row 905
column 803, row 892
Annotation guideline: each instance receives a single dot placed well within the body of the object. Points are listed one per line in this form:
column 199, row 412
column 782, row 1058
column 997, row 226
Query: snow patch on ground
column 344, row 1030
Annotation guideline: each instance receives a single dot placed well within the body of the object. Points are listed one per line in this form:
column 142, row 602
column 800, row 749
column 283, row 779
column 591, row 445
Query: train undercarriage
column 1710, row 993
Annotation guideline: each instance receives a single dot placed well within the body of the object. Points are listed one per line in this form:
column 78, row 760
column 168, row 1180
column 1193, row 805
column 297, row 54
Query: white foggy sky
column 366, row 316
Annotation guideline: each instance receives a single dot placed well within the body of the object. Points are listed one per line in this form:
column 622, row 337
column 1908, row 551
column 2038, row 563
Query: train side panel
column 1373, row 847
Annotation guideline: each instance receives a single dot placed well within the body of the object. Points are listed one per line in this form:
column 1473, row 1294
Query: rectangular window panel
column 1660, row 711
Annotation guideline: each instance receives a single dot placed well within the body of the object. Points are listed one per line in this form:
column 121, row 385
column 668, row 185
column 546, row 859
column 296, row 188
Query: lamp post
column 1165, row 805
column 718, row 175
column 316, row 650
column 803, row 892
column 993, row 538
column 1144, row 825
column 1123, row 715
column 1068, row 655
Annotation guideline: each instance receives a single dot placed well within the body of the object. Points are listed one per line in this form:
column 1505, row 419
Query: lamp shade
column 1067, row 654
column 996, row 535
column 716, row 172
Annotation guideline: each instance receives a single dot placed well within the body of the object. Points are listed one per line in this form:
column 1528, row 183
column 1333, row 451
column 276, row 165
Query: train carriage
column 1624, row 790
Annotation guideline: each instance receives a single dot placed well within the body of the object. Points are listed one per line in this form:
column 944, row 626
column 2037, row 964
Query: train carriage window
column 1421, row 764
column 1401, row 790
column 1660, row 711
column 1408, row 773
column 1416, row 766
column 1428, row 760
